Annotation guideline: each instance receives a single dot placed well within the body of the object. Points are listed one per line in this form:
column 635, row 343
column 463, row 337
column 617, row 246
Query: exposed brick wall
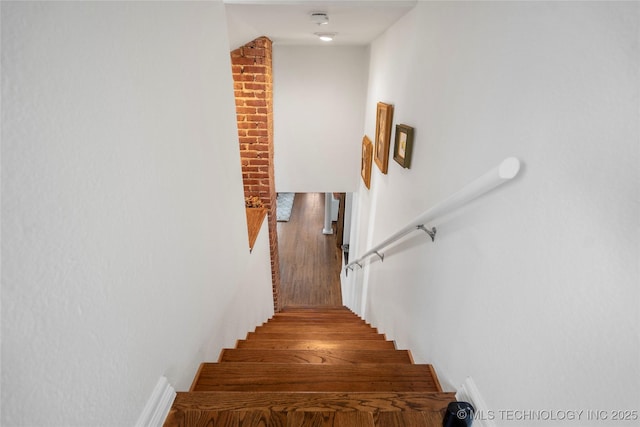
column 253, row 88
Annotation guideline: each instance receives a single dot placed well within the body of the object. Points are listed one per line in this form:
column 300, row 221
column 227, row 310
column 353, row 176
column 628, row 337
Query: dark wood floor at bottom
column 309, row 260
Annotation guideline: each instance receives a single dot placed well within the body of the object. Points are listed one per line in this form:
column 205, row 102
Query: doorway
column 310, row 261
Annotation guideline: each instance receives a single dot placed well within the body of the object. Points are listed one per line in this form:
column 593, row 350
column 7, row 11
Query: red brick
column 255, row 103
column 246, row 110
column 257, row 118
column 245, row 125
column 255, row 86
column 254, row 69
column 244, row 78
column 249, row 94
column 249, row 154
column 245, row 60
column 258, row 175
column 257, row 132
column 254, row 51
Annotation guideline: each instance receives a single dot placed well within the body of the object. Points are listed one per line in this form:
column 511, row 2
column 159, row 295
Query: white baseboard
column 468, row 392
column 158, row 406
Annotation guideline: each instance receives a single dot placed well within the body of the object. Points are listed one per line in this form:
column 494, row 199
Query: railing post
column 327, row 214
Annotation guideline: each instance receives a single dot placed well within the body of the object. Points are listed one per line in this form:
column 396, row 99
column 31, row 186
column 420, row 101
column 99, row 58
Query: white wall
column 532, row 290
column 123, row 224
column 318, row 113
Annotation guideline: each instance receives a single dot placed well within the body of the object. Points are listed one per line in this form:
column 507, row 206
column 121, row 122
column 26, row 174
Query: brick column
column 253, row 88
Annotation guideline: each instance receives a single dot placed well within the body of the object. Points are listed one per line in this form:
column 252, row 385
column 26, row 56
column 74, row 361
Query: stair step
column 315, row 327
column 315, row 356
column 330, row 336
column 315, row 308
column 315, row 377
column 316, row 313
column 235, row 409
column 247, row 418
column 303, row 312
column 316, row 319
column 326, row 402
column 369, row 344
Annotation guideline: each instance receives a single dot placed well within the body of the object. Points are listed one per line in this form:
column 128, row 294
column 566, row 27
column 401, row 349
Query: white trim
column 468, row 392
column 157, row 408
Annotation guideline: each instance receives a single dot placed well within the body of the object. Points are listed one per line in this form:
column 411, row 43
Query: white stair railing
column 505, row 171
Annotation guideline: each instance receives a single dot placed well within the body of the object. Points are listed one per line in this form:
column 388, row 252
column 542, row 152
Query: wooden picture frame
column 403, row 145
column 384, row 117
column 365, row 166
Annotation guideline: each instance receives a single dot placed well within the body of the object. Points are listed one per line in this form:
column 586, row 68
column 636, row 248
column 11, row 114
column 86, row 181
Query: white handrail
column 506, row 170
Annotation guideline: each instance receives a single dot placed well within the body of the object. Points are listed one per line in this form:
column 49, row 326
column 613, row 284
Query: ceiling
column 288, row 22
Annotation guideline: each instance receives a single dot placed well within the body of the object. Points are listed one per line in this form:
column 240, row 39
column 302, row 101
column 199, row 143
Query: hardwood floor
column 309, row 260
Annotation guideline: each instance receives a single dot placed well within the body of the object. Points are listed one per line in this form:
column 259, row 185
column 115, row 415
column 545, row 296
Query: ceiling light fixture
column 326, row 37
column 319, row 18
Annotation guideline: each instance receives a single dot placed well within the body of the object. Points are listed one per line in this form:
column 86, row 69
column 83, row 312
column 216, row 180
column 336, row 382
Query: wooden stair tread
column 315, row 377
column 231, row 409
column 248, row 418
column 307, row 317
column 318, row 313
column 315, row 356
column 306, row 336
column 324, row 324
column 315, row 314
column 314, row 308
column 292, row 401
column 315, row 320
column 372, row 344
column 323, row 327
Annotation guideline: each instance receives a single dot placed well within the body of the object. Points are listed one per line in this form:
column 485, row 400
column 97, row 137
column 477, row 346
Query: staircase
column 312, row 367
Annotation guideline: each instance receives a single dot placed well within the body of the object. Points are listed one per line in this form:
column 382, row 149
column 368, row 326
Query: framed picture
column 365, row 168
column 384, row 116
column 403, row 145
